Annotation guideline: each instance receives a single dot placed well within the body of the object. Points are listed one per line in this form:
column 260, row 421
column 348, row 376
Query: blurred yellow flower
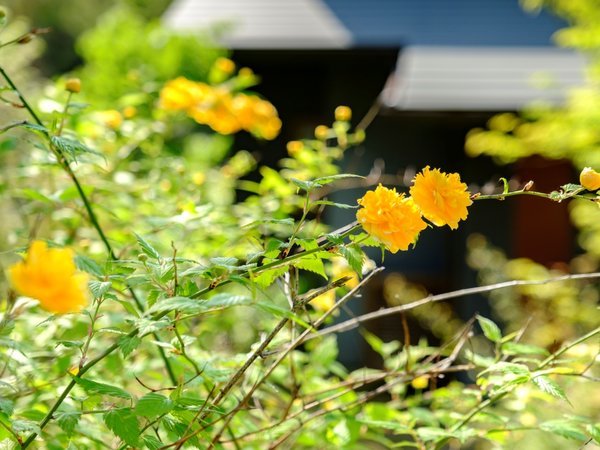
column 111, row 118
column 181, row 94
column 391, row 218
column 324, row 302
column 441, row 197
column 50, row 276
column 590, row 179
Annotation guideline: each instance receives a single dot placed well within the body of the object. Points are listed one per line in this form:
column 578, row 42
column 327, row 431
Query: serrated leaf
column 565, row 429
column 147, row 326
column 490, row 329
column 127, row 344
column 549, row 387
column 147, row 248
column 354, row 256
column 35, row 127
column 99, row 288
column 25, row 426
column 311, row 264
column 266, row 278
column 194, row 306
column 6, row 406
column 67, row 421
column 225, row 300
column 153, row 404
column 124, row 424
column 307, row 244
column 151, row 442
column 95, row 387
column 88, row 265
column 71, row 147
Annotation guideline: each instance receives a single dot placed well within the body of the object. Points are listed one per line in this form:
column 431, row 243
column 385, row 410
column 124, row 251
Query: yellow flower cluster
column 50, row 276
column 396, row 220
column 221, row 109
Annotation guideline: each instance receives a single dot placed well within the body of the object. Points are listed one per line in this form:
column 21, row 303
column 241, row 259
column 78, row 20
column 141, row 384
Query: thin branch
column 353, row 323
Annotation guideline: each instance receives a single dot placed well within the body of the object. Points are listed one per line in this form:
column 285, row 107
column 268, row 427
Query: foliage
column 204, row 328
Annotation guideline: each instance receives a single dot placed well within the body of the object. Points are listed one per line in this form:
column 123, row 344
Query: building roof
column 335, row 24
column 482, row 79
column 263, row 24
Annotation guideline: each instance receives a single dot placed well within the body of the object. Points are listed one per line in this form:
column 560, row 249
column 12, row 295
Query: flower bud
column 590, row 179
column 343, row 113
column 321, row 132
column 73, row 85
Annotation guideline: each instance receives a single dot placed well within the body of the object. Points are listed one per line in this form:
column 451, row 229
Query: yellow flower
column 324, row 302
column 111, row 118
column 50, row 276
column 590, row 179
column 182, row 94
column 441, row 197
column 391, row 218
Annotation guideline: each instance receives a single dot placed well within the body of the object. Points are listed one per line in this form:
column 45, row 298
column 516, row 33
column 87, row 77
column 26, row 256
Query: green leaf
column 307, row 186
column 124, row 424
column 88, row 265
column 25, row 426
column 337, row 205
column 67, row 421
column 516, row 348
column 565, row 429
column 151, row 442
column 32, row 194
column 311, row 264
column 331, row 178
column 147, row 248
column 99, row 288
column 35, row 127
column 6, row 406
column 194, row 306
column 354, row 256
column 153, row 404
column 549, row 387
column 71, row 147
column 94, row 387
column 266, row 278
column 127, row 344
column 490, row 329
column 594, row 430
